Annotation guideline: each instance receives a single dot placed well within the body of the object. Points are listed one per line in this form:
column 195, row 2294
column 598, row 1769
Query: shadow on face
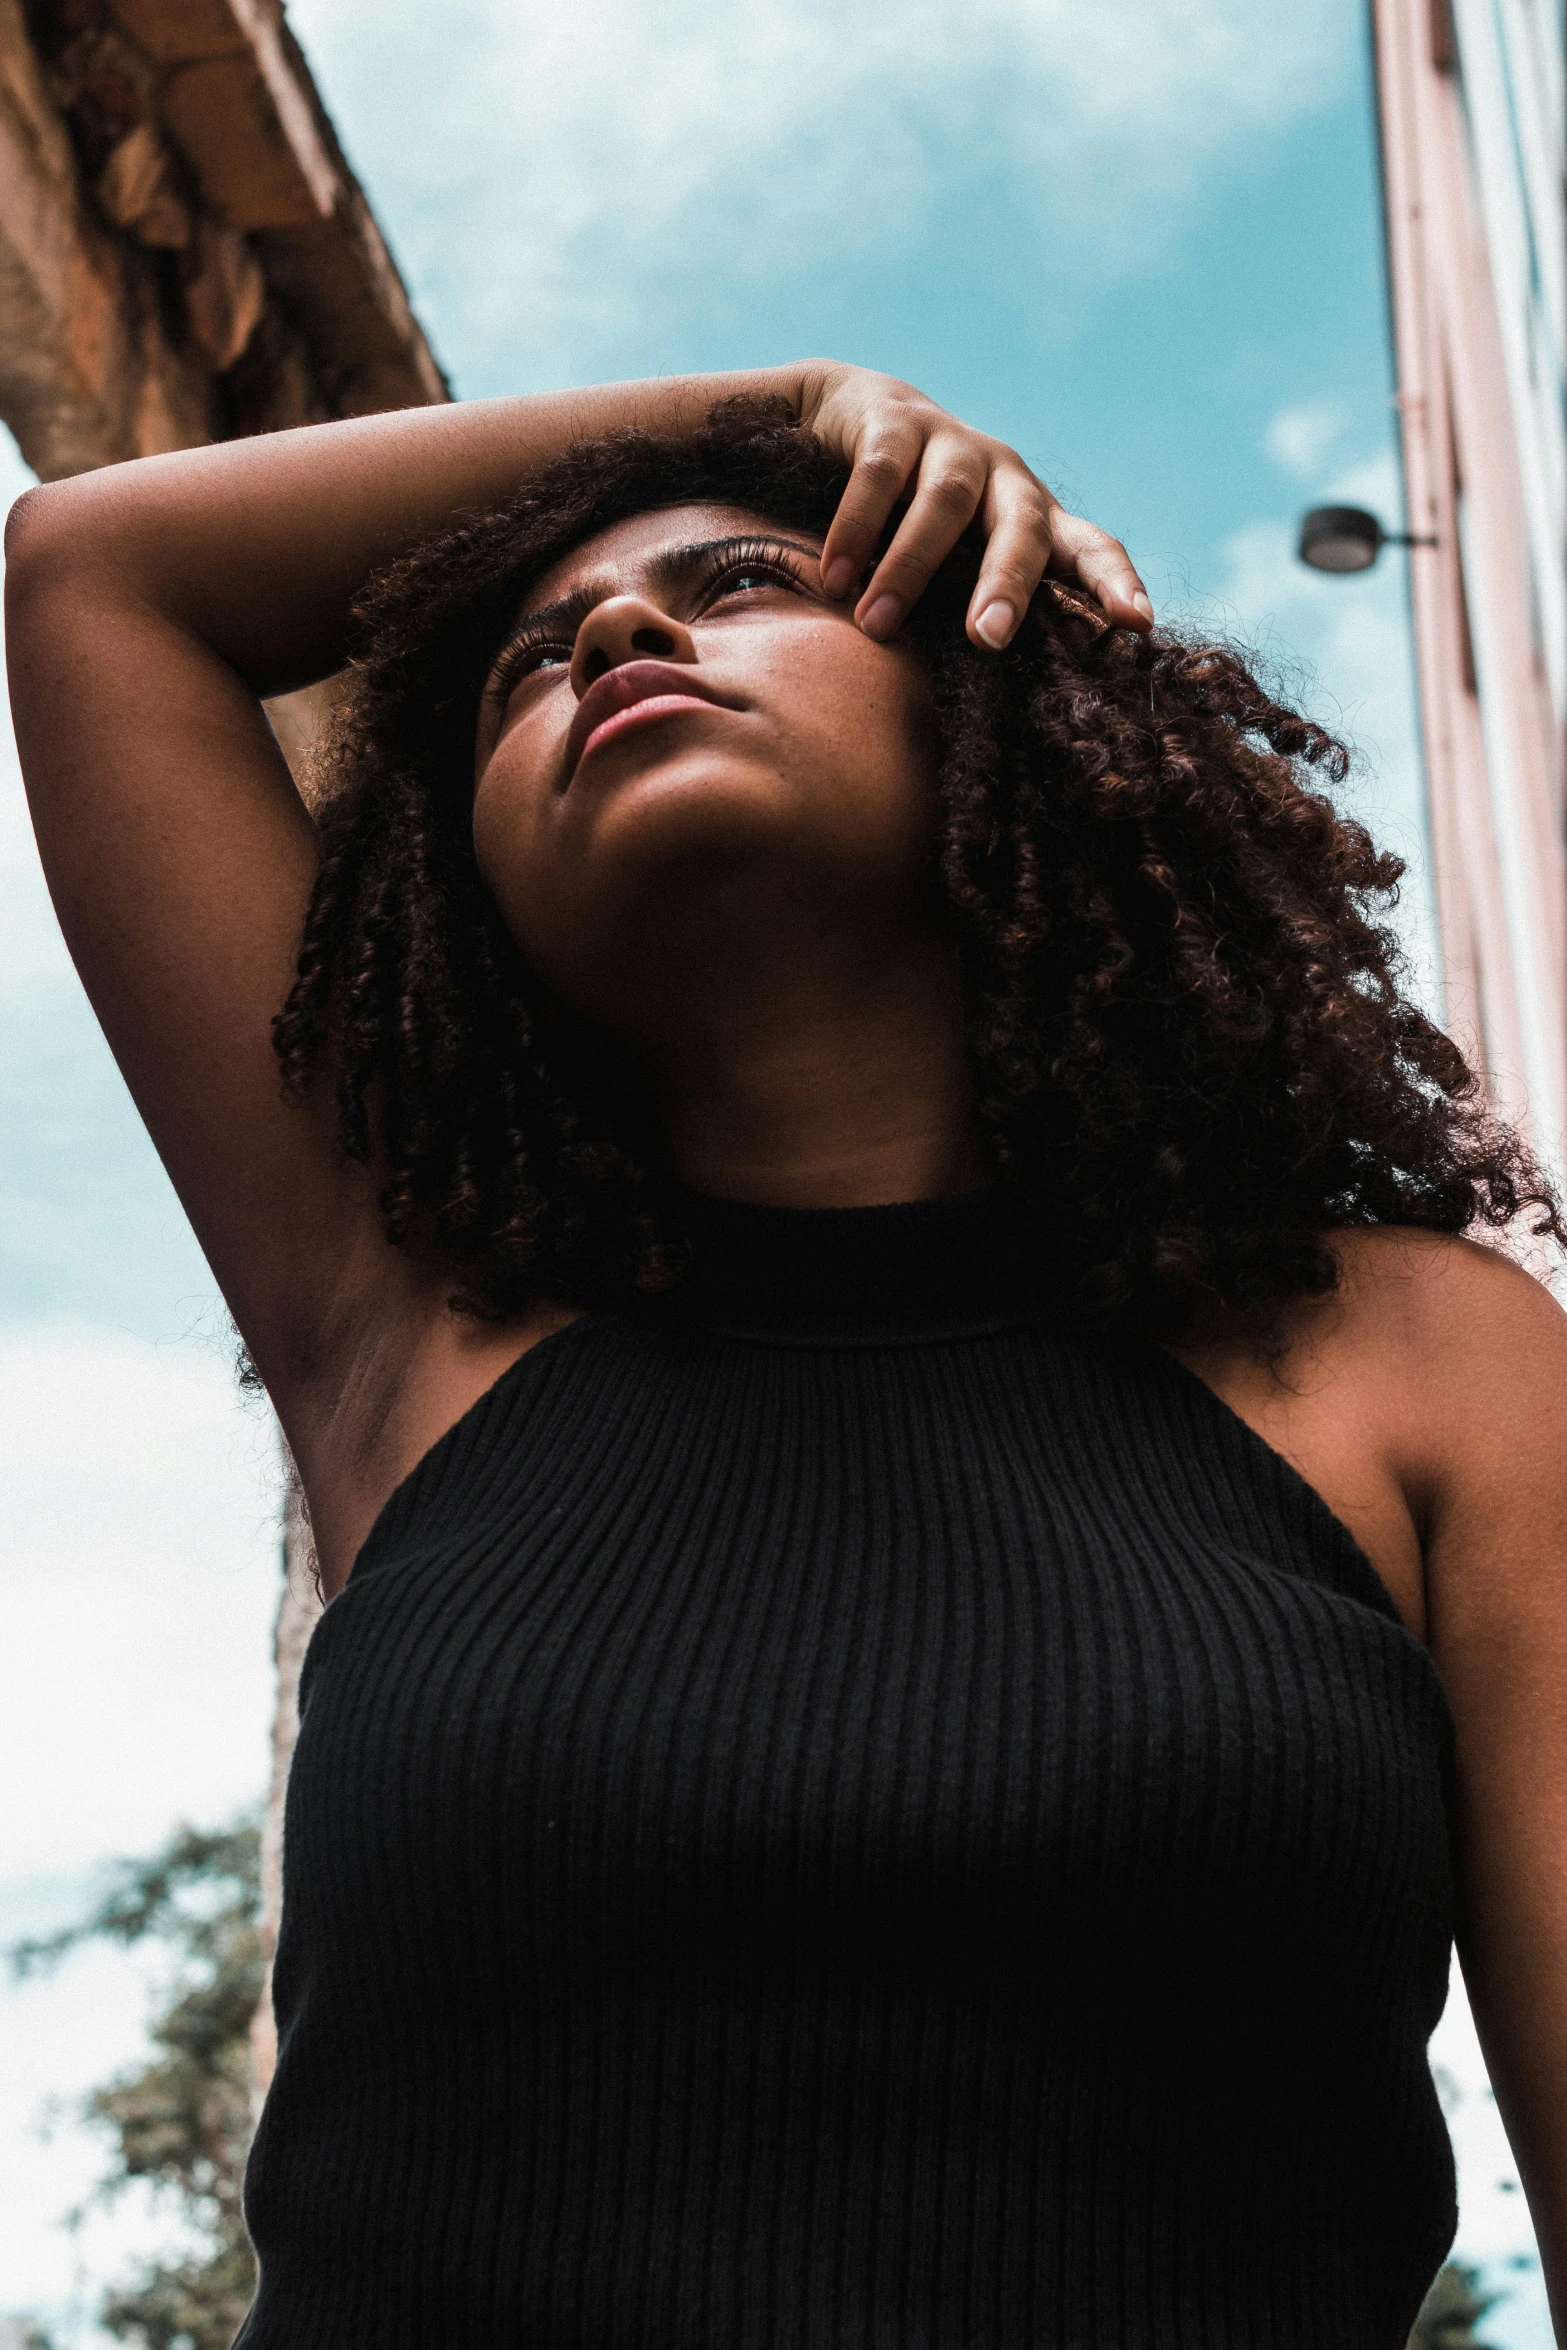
column 695, row 772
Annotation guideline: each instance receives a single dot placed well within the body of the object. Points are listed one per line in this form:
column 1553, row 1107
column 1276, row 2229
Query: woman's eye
column 752, row 575
column 525, row 661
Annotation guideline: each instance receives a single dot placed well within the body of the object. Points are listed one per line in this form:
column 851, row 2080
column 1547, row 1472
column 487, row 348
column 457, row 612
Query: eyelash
column 518, row 660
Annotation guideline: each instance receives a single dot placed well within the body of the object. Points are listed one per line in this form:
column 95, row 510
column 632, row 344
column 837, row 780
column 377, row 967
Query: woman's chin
column 679, row 813
column 624, row 774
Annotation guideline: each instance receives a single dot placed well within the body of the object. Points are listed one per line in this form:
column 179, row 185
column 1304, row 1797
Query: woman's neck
column 821, row 1095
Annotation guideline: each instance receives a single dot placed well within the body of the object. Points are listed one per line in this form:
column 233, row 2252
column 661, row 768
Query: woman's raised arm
column 152, row 605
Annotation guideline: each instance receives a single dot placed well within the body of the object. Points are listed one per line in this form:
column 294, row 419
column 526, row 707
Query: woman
column 944, row 1572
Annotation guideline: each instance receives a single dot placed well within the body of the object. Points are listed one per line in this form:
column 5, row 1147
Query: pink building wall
column 1475, row 245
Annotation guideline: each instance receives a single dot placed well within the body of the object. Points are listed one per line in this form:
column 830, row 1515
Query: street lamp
column 1347, row 538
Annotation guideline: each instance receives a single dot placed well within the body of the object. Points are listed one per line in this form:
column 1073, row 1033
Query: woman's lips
column 654, row 706
column 651, row 689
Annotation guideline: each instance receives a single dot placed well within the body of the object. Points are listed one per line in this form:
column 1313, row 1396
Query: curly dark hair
column 1190, row 1043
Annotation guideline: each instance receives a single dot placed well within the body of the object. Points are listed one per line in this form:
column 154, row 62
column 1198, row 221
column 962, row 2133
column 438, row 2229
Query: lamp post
column 1347, row 538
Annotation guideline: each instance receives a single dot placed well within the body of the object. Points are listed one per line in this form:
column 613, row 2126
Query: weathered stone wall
column 184, row 253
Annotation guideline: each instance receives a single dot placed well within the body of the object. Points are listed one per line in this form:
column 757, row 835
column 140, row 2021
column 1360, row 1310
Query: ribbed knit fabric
column 852, row 1817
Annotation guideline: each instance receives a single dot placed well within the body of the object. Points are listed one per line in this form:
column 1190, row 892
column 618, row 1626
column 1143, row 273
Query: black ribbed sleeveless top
column 850, row 1815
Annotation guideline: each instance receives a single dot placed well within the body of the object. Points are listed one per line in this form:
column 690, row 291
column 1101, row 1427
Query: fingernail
column 1141, row 604
column 995, row 624
column 883, row 616
column 838, row 577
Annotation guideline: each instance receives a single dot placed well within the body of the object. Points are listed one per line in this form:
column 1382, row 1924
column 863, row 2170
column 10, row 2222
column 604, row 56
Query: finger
column 1083, row 552
column 953, row 476
column 1018, row 515
column 883, row 467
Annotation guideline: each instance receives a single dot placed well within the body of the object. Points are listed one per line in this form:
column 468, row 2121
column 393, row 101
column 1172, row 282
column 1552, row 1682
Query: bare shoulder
column 1424, row 1398
column 1460, row 1357
column 1408, row 1254
column 1411, row 1311
column 1449, row 1309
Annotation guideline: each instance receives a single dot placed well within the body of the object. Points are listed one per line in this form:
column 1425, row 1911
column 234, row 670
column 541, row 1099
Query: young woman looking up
column 946, row 1574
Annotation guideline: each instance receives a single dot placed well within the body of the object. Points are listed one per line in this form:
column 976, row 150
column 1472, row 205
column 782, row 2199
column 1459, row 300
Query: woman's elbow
column 43, row 536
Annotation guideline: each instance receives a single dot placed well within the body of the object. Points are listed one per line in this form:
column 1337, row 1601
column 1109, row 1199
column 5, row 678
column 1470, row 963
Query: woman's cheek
column 511, row 796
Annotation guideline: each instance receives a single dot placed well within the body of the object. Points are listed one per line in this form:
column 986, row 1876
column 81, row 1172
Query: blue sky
column 1141, row 242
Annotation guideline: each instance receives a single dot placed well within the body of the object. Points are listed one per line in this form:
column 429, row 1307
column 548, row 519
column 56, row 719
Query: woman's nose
column 625, row 628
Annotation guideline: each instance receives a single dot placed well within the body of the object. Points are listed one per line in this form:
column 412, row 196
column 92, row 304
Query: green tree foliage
column 183, row 2122
column 1453, row 2308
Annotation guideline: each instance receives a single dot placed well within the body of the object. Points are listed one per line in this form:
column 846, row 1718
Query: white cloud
column 558, row 181
column 1300, row 438
column 138, row 1579
column 139, row 1573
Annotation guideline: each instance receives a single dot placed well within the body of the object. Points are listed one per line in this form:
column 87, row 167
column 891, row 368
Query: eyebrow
column 675, row 563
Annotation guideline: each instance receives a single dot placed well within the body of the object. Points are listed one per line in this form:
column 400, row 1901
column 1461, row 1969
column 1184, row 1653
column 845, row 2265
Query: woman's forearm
column 259, row 547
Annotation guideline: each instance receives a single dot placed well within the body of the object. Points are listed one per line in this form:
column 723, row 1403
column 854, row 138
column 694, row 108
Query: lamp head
column 1340, row 538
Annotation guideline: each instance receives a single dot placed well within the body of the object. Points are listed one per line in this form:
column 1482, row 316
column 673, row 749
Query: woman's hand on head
column 904, row 449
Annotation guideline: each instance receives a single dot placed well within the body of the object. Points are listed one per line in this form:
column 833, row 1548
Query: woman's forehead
column 628, row 549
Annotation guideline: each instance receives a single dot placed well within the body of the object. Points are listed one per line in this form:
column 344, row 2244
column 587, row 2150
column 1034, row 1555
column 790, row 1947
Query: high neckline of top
column 972, row 1256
